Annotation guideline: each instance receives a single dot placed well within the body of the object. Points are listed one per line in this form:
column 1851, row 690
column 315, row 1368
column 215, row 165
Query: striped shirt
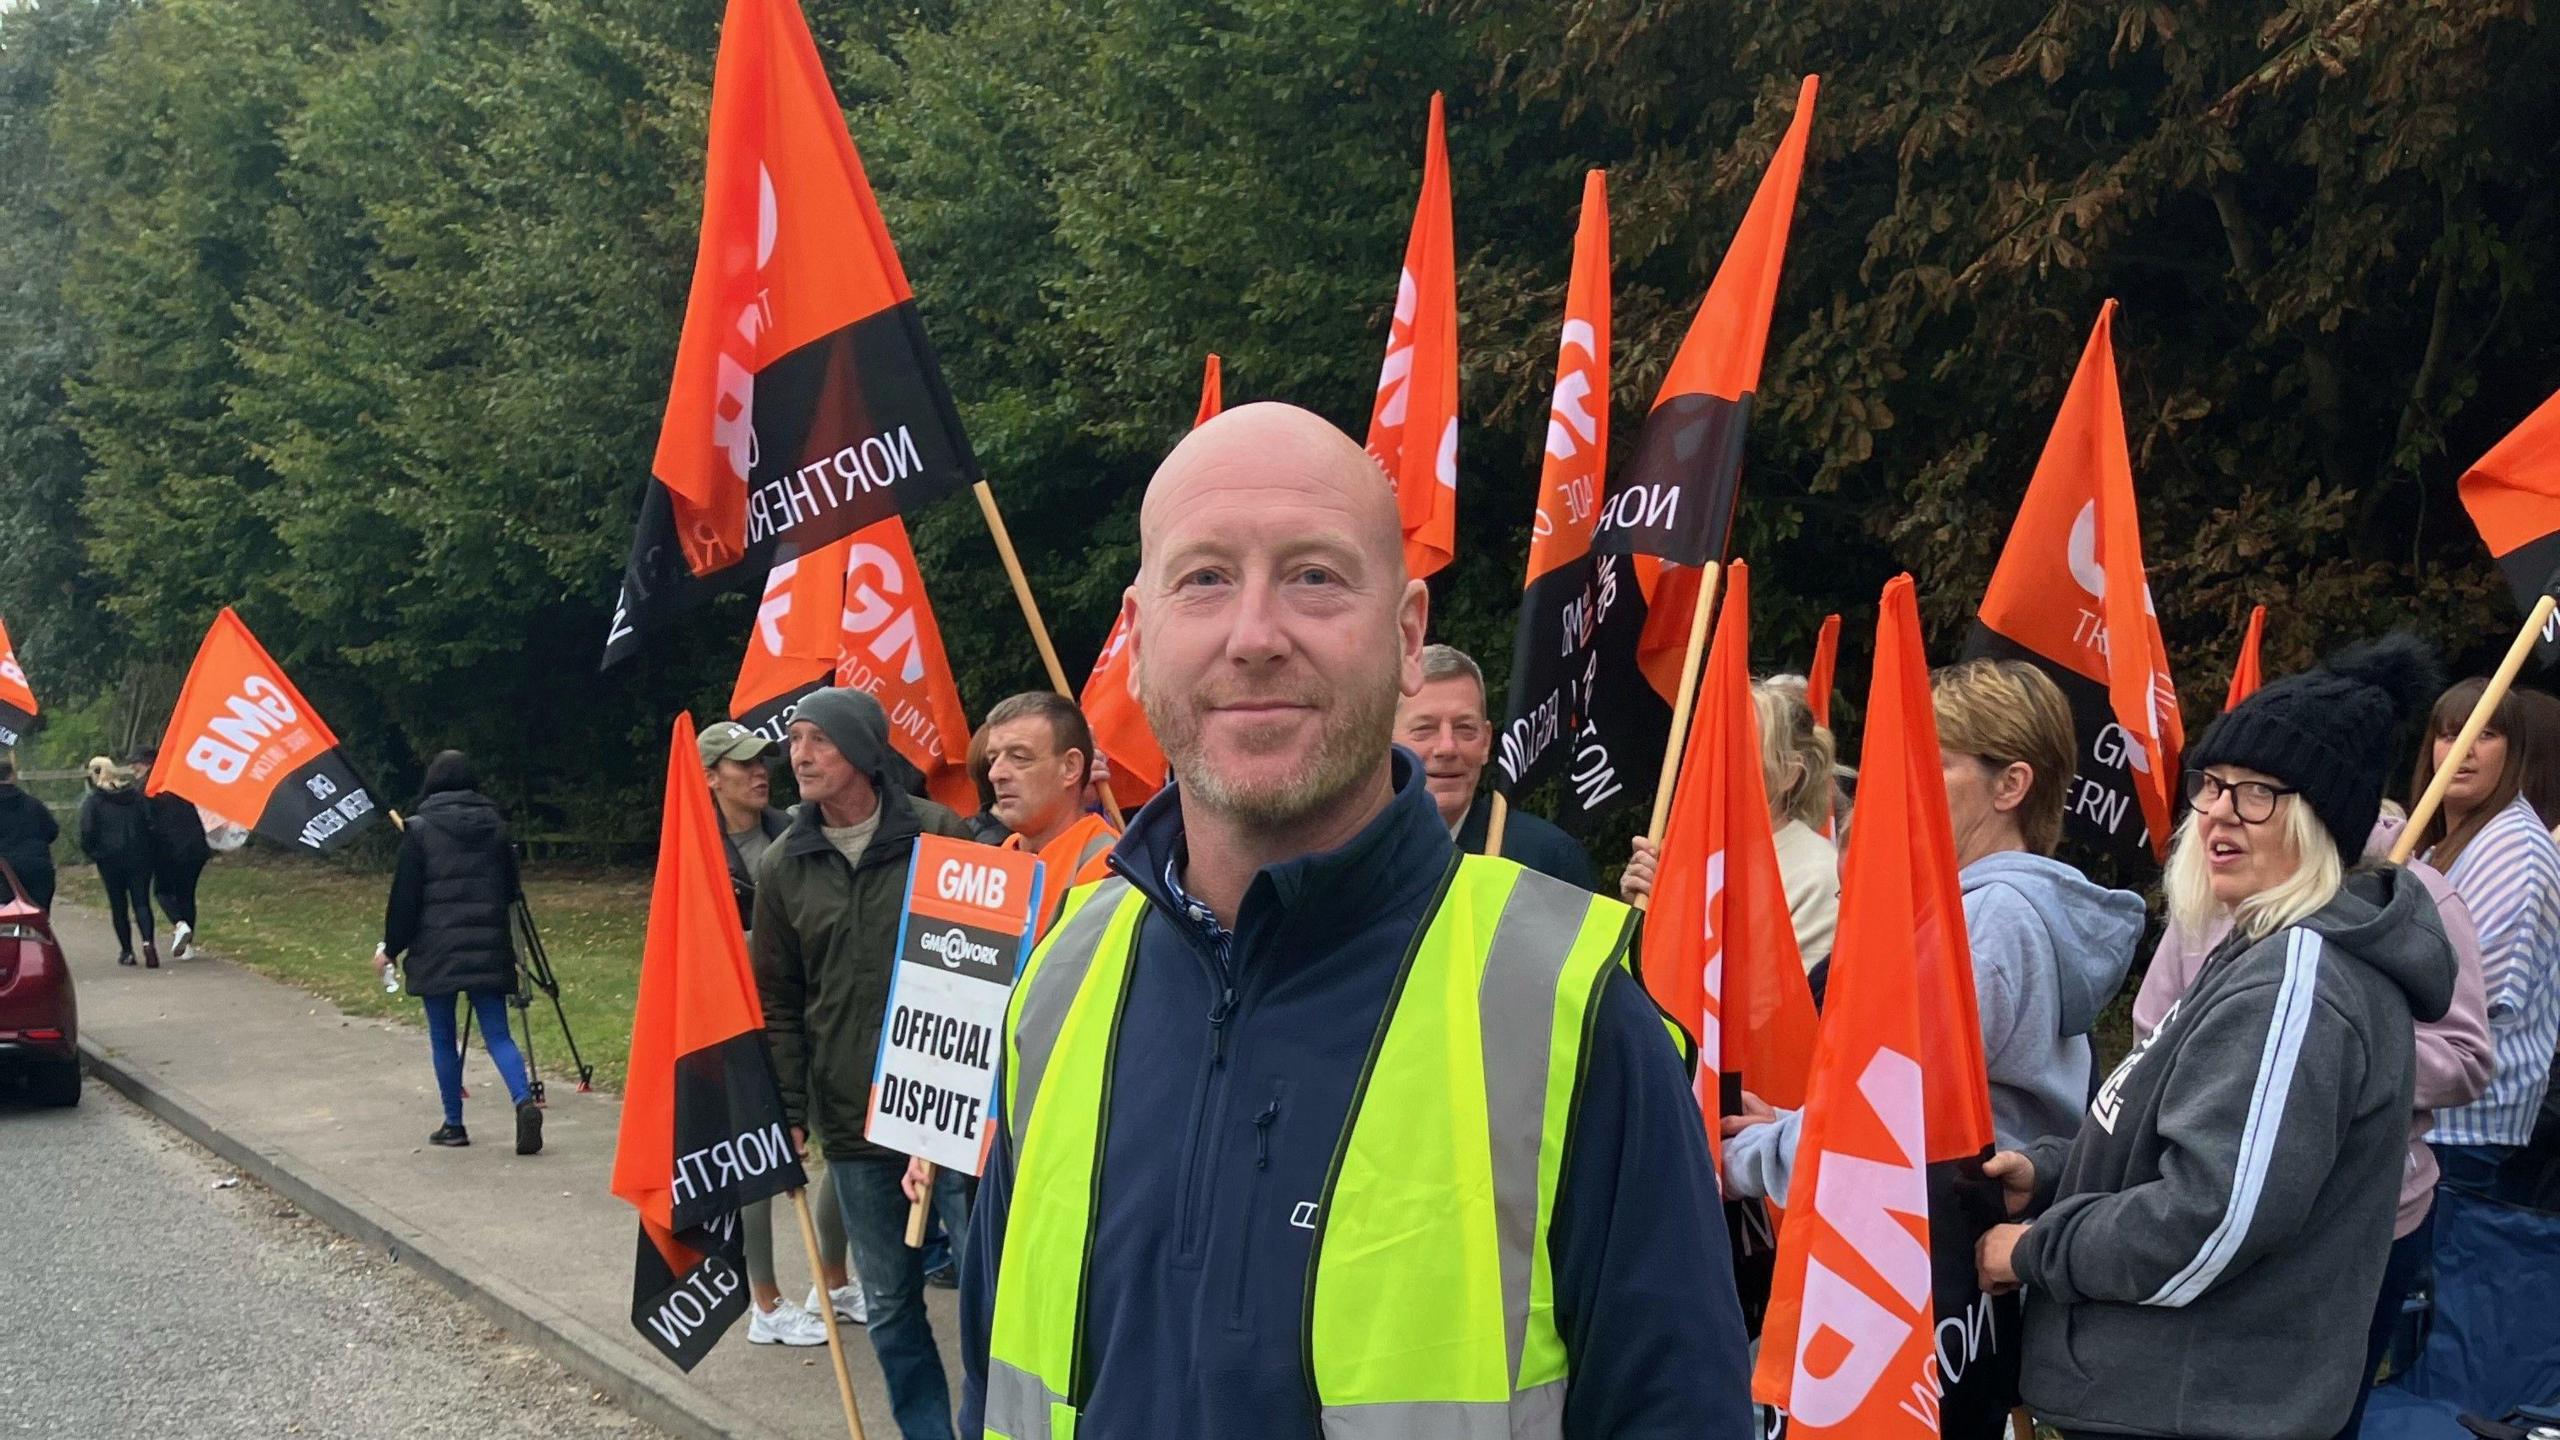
column 2510, row 877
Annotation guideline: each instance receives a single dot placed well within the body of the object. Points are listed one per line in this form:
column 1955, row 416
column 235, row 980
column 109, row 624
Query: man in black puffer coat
column 452, row 893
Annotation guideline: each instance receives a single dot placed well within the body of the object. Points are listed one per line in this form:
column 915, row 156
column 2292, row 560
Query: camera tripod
column 533, row 972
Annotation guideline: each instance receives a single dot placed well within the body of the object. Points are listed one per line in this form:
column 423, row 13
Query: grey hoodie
column 2050, row 949
column 2216, row 1232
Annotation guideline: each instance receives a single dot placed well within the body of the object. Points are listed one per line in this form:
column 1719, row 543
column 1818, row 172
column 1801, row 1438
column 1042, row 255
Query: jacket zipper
column 1208, row 1126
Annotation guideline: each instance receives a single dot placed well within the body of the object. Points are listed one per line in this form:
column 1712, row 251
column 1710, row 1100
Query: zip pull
column 1218, row 1014
column 1262, row 1134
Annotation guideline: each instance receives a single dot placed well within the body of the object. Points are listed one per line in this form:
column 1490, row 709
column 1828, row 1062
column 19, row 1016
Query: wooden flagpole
column 827, row 1313
column 921, row 1206
column 1493, row 827
column 1686, row 705
column 1031, row 616
column 2499, row 684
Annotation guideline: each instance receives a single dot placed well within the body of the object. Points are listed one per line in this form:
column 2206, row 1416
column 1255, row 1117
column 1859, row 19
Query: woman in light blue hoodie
column 2050, row 949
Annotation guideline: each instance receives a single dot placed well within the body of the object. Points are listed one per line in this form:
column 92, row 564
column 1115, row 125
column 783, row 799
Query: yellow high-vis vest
column 1444, row 1328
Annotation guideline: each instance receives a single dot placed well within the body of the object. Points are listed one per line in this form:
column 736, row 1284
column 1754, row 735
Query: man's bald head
column 1273, row 621
column 1270, row 446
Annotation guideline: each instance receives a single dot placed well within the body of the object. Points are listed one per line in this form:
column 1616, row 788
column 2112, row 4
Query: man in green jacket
column 829, row 892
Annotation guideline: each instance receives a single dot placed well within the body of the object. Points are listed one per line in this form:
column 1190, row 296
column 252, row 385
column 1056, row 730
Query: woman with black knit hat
column 2204, row 1254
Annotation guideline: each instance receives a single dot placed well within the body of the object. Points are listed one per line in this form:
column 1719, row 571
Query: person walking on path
column 1445, row 725
column 178, row 857
column 453, row 889
column 27, row 833
column 735, row 764
column 829, row 894
column 1310, row 1125
column 2245, row 1159
column 116, row 835
column 2491, row 844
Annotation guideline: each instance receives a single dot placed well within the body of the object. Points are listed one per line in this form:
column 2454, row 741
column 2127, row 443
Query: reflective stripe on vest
column 1494, row 995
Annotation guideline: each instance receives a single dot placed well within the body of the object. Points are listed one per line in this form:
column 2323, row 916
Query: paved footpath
column 333, row 1111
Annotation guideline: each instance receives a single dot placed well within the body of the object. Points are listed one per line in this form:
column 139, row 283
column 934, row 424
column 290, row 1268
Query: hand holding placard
column 965, row 931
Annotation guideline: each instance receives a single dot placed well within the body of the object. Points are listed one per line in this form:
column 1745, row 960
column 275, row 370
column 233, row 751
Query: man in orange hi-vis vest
column 1038, row 756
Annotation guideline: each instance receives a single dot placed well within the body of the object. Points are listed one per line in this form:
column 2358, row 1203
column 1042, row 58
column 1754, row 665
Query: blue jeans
column 875, row 1221
column 445, row 1040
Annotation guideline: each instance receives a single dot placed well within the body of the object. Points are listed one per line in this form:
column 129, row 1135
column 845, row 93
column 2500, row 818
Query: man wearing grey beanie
column 829, row 891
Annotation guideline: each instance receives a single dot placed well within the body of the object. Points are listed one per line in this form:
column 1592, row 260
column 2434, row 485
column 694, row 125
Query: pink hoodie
column 2453, row 1053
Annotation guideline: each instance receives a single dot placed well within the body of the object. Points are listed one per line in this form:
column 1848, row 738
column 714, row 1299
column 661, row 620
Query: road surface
column 151, row 1293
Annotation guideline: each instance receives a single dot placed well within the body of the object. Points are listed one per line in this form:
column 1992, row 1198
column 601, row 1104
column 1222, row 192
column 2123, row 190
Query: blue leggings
column 491, row 1007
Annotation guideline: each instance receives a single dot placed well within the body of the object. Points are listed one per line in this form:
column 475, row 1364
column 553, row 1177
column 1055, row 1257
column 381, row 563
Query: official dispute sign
column 967, row 925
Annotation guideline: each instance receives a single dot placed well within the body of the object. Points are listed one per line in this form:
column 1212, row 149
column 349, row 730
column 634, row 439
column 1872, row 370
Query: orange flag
column 1577, row 610
column 2069, row 595
column 890, row 645
column 1676, row 505
column 2245, row 676
column 704, row 1131
column 1826, row 669
column 1110, row 699
column 1719, row 949
column 2513, row 494
column 791, row 649
column 855, row 612
column 1413, row 426
column 1119, row 723
column 1818, row 685
column 1212, row 391
column 1849, row 1345
column 806, row 403
column 17, row 701
column 244, row 744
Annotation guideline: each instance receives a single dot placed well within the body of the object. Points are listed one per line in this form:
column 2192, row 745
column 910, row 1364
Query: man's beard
column 1357, row 729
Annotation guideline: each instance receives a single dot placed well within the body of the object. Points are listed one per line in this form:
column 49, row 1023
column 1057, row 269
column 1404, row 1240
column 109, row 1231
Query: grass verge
column 314, row 925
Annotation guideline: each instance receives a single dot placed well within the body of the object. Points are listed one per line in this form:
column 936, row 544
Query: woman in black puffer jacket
column 447, row 925
column 115, row 833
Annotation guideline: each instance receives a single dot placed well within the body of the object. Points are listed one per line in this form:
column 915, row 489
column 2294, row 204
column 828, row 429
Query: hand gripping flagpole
column 2495, row 692
column 827, row 1313
column 1687, row 706
column 1031, row 616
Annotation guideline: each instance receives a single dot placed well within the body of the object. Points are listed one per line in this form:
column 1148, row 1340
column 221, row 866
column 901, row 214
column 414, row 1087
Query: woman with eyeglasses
column 2183, row 1256
column 2489, row 842
column 2452, row 1062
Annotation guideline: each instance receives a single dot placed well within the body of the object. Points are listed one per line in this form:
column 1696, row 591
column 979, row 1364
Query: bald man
column 1310, row 1125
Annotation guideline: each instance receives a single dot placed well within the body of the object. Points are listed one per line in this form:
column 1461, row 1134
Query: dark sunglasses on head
column 2254, row 801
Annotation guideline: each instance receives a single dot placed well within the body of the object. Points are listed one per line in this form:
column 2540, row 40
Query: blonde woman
column 1797, row 763
column 2203, row 1255
column 115, row 833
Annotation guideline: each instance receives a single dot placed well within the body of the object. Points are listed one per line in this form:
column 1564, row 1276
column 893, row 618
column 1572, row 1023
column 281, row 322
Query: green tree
column 48, row 594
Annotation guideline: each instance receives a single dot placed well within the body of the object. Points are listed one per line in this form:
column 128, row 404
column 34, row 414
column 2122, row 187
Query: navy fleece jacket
column 1231, row 1085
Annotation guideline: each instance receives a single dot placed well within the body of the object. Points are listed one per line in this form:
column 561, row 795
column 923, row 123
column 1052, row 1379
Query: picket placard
column 962, row 938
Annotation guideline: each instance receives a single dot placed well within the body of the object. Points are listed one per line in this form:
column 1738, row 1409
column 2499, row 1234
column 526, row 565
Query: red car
column 39, row 1016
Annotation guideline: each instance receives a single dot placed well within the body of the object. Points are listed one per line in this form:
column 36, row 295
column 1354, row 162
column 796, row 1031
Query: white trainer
column 784, row 1324
column 182, row 941
column 850, row 1306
